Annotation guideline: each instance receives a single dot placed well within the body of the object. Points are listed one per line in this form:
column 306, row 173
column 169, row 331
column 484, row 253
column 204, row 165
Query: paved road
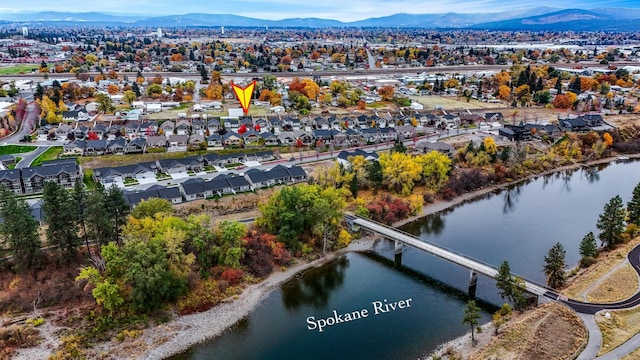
column 348, row 72
column 589, row 308
column 27, row 158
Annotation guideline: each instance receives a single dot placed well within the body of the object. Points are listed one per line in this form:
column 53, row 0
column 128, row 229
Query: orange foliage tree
column 386, row 92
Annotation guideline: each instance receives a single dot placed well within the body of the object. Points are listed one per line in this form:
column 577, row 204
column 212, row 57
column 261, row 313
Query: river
column 518, row 224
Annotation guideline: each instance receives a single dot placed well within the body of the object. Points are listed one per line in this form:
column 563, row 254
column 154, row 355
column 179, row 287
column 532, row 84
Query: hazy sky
column 345, row 10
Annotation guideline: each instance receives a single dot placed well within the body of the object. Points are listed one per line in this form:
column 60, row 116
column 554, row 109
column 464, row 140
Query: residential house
column 116, row 146
column 355, row 137
column 109, row 176
column 133, row 115
column 10, row 179
column 258, row 179
column 388, row 134
column 270, row 139
column 138, row 145
column 494, row 117
column 63, row 172
column 183, row 127
column 287, row 138
column 148, row 128
column 100, row 130
column 80, row 132
column 515, row 132
column 425, row 146
column 304, row 137
column 131, row 130
column 95, row 147
column 198, row 126
column 181, row 165
column 195, row 189
column 325, row 136
column 113, row 131
column 178, row 141
column 371, row 136
column 168, row 128
column 238, row 184
column 340, row 139
column 344, row 155
column 214, row 140
column 251, row 137
column 63, row 131
column 213, row 125
column 74, row 148
column 232, row 139
column 195, row 140
column 405, row 131
column 133, row 198
column 158, row 141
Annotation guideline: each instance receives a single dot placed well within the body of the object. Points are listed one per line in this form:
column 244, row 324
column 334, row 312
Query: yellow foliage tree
column 400, row 171
column 435, row 169
column 490, row 145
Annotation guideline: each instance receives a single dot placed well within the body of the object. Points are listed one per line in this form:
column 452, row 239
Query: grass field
column 173, row 113
column 16, row 149
column 454, row 103
column 19, row 69
column 51, row 154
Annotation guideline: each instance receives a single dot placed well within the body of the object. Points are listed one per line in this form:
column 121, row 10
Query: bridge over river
column 479, row 267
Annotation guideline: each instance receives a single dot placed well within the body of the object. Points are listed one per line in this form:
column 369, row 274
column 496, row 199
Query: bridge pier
column 398, row 254
column 473, row 282
column 398, row 247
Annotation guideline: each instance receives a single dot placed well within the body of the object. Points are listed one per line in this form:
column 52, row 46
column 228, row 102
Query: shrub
column 232, row 276
column 388, row 210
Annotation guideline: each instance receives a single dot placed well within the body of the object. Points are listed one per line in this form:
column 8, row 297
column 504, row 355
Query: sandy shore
column 462, row 345
column 193, row 329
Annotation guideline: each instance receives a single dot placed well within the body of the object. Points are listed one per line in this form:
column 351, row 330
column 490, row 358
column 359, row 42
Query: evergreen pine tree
column 611, row 223
column 19, row 231
column 633, row 207
column 554, row 265
column 60, row 214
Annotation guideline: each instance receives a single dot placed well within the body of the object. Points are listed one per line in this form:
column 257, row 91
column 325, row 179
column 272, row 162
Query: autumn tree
column 151, row 207
column 386, row 92
column 113, row 89
column 400, row 171
column 611, row 223
column 435, row 169
column 561, row 101
column 231, row 250
column 504, row 92
column 129, row 97
column 554, row 266
column 105, row 104
column 292, row 213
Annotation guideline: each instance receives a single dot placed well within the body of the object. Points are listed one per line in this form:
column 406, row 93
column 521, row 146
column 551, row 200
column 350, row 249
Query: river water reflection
column 519, row 224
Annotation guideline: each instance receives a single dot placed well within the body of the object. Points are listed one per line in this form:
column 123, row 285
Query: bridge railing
column 353, row 216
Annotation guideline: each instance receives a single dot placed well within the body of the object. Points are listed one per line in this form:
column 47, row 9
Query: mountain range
column 535, row 19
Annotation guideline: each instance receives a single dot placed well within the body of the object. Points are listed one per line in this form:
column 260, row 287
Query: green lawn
column 16, row 149
column 51, row 154
column 20, row 69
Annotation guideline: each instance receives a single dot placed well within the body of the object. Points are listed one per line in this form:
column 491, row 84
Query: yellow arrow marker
column 244, row 95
